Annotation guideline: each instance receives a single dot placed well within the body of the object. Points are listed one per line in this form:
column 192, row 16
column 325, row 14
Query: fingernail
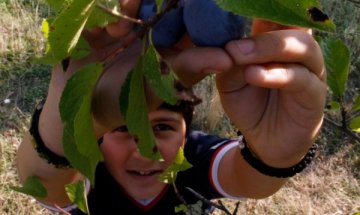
column 246, row 46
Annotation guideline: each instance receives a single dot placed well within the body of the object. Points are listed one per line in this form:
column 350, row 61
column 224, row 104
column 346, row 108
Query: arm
column 273, row 89
column 275, row 96
column 50, row 125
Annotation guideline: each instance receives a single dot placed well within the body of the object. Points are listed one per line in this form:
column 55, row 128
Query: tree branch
column 202, row 198
column 341, row 128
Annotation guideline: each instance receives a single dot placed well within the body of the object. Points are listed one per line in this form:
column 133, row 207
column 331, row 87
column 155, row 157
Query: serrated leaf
column 180, row 164
column 65, row 31
column 32, row 187
column 356, row 105
column 337, row 60
column 77, row 194
column 79, row 140
column 100, row 17
column 136, row 117
column 287, row 12
column 355, row 124
column 162, row 84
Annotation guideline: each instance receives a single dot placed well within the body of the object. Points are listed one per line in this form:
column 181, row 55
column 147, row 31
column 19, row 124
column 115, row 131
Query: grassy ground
column 330, row 186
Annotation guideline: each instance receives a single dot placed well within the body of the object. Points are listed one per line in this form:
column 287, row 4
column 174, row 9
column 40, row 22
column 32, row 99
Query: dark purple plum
column 209, row 25
column 147, row 9
column 170, row 28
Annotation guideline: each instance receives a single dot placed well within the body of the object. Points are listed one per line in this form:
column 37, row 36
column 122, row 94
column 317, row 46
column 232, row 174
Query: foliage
column 70, row 44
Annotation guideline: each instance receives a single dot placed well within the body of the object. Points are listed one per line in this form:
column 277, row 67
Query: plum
column 209, row 25
column 170, row 28
column 147, row 9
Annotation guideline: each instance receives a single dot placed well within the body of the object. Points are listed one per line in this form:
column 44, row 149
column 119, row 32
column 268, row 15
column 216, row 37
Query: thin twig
column 202, row 198
column 118, row 14
column 341, row 128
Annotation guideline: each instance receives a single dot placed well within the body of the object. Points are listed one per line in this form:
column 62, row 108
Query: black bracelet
column 42, row 150
column 273, row 171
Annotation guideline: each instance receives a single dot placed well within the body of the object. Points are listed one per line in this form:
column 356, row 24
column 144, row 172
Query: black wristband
column 273, row 171
column 42, row 150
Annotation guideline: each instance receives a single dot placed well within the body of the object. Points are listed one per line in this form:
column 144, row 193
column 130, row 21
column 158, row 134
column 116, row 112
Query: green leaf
column 124, row 95
column 136, row 117
column 355, row 124
column 101, row 15
column 159, row 4
column 162, row 84
column 77, row 194
column 337, row 60
column 57, row 5
column 181, row 208
column 82, row 49
column 65, row 31
column 287, row 12
column 32, row 187
column 180, row 164
column 79, row 140
column 356, row 105
column 334, row 105
column 86, row 165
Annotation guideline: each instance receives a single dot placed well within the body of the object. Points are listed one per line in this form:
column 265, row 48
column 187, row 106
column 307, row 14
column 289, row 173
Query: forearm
column 54, row 179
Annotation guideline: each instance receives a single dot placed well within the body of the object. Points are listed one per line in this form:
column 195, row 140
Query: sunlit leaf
column 287, row 12
column 32, row 187
column 337, row 59
column 65, row 31
column 77, row 194
column 101, row 15
column 180, row 164
column 57, row 5
column 355, row 124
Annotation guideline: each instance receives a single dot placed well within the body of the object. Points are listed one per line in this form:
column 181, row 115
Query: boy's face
column 139, row 176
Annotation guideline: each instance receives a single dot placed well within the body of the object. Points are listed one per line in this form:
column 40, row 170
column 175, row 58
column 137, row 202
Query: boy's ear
column 260, row 26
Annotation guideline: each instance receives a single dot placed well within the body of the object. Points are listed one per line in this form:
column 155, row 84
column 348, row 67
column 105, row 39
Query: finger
column 261, row 26
column 192, row 65
column 289, row 78
column 124, row 26
column 291, row 46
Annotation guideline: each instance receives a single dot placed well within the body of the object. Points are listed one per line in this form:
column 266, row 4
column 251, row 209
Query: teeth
column 144, row 172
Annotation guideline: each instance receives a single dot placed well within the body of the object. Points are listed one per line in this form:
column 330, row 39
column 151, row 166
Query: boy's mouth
column 145, row 172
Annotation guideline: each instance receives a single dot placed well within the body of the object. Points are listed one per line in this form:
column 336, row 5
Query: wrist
column 275, row 171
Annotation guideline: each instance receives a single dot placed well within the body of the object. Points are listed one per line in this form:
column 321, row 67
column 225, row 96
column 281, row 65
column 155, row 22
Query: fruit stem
column 118, row 14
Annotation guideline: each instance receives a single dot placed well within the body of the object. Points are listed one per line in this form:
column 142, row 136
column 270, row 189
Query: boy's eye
column 162, row 127
column 122, row 128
